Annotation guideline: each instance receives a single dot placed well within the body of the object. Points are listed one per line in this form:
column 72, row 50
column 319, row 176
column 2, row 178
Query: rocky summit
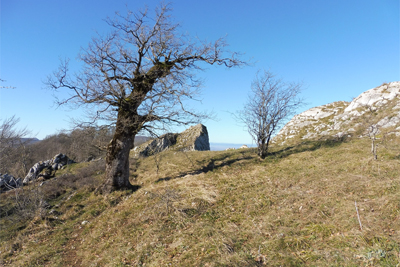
column 194, row 138
column 377, row 108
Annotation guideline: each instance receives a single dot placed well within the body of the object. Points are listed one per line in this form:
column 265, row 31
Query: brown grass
column 228, row 208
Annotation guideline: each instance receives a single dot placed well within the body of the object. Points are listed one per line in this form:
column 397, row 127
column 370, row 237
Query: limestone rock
column 159, row 144
column 194, row 138
column 7, row 182
column 342, row 118
column 46, row 169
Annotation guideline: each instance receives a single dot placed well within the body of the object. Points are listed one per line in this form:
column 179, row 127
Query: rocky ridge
column 378, row 107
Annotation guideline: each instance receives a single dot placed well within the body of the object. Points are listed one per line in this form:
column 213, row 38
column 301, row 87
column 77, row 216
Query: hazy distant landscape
column 224, row 146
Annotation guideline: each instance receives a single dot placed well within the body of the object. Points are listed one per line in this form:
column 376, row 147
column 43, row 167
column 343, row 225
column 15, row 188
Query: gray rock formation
column 8, row 182
column 193, row 139
column 379, row 106
column 47, row 169
column 157, row 145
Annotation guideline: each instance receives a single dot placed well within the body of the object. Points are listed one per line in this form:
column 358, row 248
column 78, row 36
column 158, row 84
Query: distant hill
column 138, row 140
column 30, row 140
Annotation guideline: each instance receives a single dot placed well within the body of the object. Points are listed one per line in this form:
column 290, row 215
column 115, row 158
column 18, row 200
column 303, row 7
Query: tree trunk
column 373, row 149
column 262, row 148
column 117, row 160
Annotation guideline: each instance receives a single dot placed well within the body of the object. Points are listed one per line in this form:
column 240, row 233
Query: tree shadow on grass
column 213, row 164
column 222, row 160
column 309, row 145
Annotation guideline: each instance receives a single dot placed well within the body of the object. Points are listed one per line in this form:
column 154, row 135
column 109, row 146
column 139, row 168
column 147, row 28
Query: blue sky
column 338, row 48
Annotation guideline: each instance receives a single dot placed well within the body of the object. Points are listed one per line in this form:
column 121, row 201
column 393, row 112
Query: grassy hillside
column 219, row 208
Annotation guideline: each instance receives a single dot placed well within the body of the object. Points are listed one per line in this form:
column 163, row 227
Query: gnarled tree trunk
column 117, row 160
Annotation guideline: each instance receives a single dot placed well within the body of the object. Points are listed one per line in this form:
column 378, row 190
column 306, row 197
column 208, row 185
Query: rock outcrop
column 379, row 106
column 8, row 182
column 157, row 145
column 193, row 139
column 47, row 169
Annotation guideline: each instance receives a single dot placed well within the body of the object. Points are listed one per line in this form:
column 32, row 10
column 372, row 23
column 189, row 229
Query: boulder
column 194, row 138
column 47, row 169
column 8, row 181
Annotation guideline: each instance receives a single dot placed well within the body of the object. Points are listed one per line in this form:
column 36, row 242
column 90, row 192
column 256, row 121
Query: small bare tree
column 143, row 74
column 13, row 147
column 270, row 102
column 372, row 130
column 372, row 124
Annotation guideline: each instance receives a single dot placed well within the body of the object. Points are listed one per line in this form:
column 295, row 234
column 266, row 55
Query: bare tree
column 372, row 122
column 270, row 102
column 143, row 73
column 12, row 144
column 372, row 129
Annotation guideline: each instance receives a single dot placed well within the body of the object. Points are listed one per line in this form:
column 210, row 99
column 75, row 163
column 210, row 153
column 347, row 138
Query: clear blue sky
column 338, row 48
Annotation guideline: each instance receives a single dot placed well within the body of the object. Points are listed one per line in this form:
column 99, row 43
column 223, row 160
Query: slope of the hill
column 379, row 106
column 298, row 207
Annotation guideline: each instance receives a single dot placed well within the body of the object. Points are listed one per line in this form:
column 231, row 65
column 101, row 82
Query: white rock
column 342, row 117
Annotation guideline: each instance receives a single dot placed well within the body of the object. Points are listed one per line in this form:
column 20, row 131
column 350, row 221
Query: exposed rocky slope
column 378, row 108
column 47, row 169
column 194, row 138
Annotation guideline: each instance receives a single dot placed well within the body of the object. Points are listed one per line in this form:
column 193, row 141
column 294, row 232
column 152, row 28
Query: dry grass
column 228, row 208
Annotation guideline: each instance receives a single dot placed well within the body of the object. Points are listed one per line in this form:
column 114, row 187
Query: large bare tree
column 269, row 103
column 143, row 72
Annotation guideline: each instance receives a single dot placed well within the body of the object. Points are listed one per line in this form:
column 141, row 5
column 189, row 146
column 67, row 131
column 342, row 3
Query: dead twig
column 358, row 215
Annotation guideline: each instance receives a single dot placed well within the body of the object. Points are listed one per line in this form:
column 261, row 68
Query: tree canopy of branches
column 269, row 103
column 143, row 72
